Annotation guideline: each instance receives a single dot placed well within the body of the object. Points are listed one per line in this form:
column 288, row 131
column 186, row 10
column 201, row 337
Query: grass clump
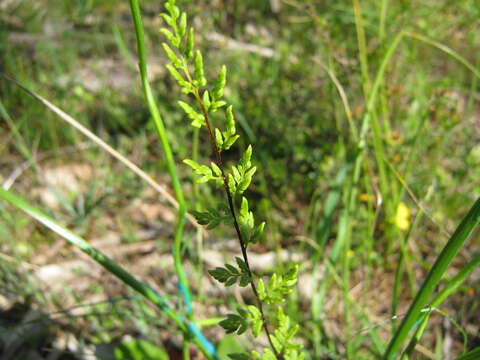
column 338, row 122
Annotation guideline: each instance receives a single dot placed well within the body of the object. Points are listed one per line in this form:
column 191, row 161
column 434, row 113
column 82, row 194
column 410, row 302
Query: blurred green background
column 80, row 55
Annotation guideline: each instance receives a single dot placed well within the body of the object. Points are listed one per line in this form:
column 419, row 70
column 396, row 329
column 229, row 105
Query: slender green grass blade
column 471, row 355
column 446, row 50
column 96, row 255
column 449, row 289
column 76, row 124
column 383, row 17
column 183, row 284
column 454, row 244
column 343, row 97
column 187, row 327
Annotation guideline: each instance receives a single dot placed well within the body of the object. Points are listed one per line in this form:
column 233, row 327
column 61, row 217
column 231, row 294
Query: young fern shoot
column 186, row 67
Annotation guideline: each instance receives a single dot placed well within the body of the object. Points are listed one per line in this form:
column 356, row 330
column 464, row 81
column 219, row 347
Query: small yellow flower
column 364, row 197
column 396, row 158
column 402, row 218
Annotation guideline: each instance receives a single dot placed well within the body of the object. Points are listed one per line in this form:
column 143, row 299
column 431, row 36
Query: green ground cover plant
column 357, row 214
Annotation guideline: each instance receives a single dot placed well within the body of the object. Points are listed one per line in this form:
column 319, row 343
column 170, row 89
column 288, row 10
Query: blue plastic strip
column 202, row 339
column 186, row 298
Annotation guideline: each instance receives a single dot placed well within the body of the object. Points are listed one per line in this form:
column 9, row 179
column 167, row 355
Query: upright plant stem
column 195, row 195
column 243, row 244
column 195, row 140
column 352, row 193
column 351, row 188
column 231, row 205
column 370, row 120
column 183, row 285
column 183, row 282
column 383, row 17
column 362, row 47
column 378, row 147
column 345, row 227
column 185, row 350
